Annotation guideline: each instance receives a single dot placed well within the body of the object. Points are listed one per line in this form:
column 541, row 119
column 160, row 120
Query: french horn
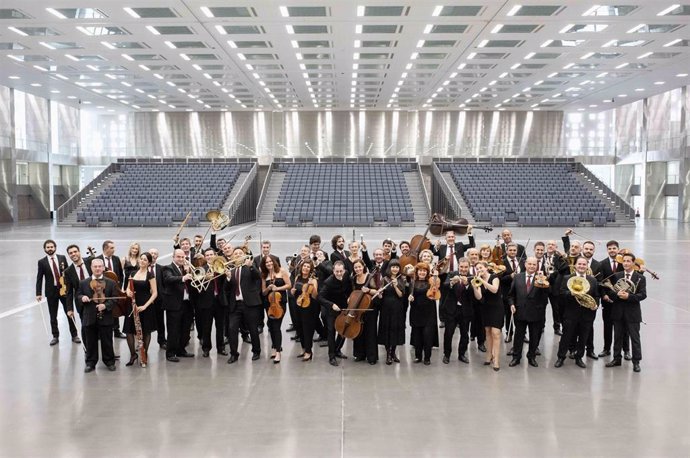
column 579, row 287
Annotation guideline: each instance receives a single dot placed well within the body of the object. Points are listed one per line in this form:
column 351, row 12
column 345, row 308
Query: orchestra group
column 366, row 295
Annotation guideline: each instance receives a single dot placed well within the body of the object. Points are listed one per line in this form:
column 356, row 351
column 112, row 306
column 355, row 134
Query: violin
column 349, row 323
column 434, row 291
column 275, row 310
column 98, row 288
column 304, row 299
column 497, row 252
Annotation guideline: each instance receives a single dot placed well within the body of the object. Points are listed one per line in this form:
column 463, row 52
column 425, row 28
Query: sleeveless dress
column 142, row 293
column 392, row 317
column 491, row 307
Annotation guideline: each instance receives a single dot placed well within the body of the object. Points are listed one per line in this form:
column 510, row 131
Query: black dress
column 274, row 324
column 392, row 316
column 308, row 315
column 491, row 307
column 142, row 293
column 129, row 270
column 423, row 316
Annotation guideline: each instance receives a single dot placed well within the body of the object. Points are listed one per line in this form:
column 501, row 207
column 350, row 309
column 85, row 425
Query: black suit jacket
column 529, row 306
column 570, row 308
column 520, row 250
column 173, row 287
column 72, row 282
column 629, row 309
column 336, row 292
column 205, row 299
column 606, row 273
column 45, row 270
column 250, row 285
column 117, row 267
column 458, row 293
column 506, row 280
column 459, row 249
column 158, row 273
column 257, row 261
column 89, row 315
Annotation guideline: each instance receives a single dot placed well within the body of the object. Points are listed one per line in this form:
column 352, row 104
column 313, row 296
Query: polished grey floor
column 205, row 407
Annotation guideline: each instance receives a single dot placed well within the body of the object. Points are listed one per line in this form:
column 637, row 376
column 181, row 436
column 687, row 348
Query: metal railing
column 73, row 202
column 608, row 192
column 427, row 201
column 241, row 209
column 444, row 201
column 264, row 189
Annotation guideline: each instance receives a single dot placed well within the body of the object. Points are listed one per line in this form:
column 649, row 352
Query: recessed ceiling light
column 131, row 12
column 152, row 29
column 14, row 77
column 587, row 56
column 16, row 30
column 658, row 83
column 647, row 54
column 546, row 43
column 681, row 75
column 624, row 64
column 71, row 97
column 673, row 42
column 437, row 11
column 636, row 28
column 497, row 28
column 70, row 56
column 54, row 91
column 56, row 13
column 622, row 96
column 480, row 45
column 36, row 84
column 207, row 12
column 639, row 89
column 668, row 10
column 593, row 106
column 513, row 11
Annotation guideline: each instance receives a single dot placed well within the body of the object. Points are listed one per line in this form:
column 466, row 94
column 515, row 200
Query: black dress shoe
column 532, row 362
column 592, row 355
column 395, row 358
column 185, row 354
column 372, row 362
column 464, row 359
column 572, row 355
column 132, row 360
column 482, row 348
column 627, row 356
column 223, row 352
column 442, row 325
column 204, row 353
column 173, row 359
column 636, row 367
column 538, row 353
column 119, row 335
column 614, row 362
column 417, row 360
column 514, row 362
column 246, row 339
column 256, row 356
column 112, row 368
column 296, row 338
column 511, row 352
column 88, row 369
column 54, row 341
column 76, row 340
column 580, row 363
column 358, row 359
column 427, row 362
column 558, row 332
column 232, row 359
column 340, row 355
column 605, row 353
column 389, row 360
column 333, row 361
column 559, row 362
column 323, row 344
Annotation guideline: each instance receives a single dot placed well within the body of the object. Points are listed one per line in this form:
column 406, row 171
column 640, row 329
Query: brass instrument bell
column 218, row 220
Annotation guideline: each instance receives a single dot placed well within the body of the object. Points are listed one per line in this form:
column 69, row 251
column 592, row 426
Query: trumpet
column 476, row 282
column 579, row 287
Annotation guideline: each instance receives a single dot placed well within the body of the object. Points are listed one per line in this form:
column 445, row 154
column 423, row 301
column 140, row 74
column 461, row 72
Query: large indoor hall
column 313, row 228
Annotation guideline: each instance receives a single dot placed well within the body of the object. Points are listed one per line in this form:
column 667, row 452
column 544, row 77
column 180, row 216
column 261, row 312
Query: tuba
column 579, row 287
column 218, row 220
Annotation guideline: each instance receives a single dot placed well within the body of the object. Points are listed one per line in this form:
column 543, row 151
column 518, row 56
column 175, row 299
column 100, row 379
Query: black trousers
column 179, row 324
column 555, row 312
column 295, row 316
column 335, row 342
column 249, row 317
column 507, row 315
column 477, row 327
column 575, row 332
column 219, row 317
column 91, row 335
column 365, row 346
column 274, row 329
column 456, row 320
column 53, row 305
column 535, row 330
column 160, row 321
column 309, row 317
column 608, row 330
column 424, row 340
column 621, row 328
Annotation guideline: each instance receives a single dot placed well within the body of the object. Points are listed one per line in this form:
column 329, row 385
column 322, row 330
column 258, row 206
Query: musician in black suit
column 157, row 271
column 453, row 249
column 211, row 304
column 51, row 268
column 458, row 308
column 577, row 319
column 556, row 268
column 527, row 301
column 588, row 248
column 333, row 296
column 243, row 290
column 507, row 237
column 608, row 267
column 627, row 313
column 97, row 319
column 113, row 264
column 265, row 251
column 340, row 253
column 76, row 272
column 178, row 308
column 514, row 265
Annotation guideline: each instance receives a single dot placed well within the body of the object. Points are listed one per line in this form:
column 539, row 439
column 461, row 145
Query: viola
column 349, row 323
column 275, row 310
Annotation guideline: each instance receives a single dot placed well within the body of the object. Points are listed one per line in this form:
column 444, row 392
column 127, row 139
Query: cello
column 349, row 323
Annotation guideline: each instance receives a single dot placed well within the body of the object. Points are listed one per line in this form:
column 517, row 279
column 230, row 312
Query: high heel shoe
column 301, row 355
column 496, row 368
column 132, row 360
column 308, row 358
column 276, row 358
column 488, row 363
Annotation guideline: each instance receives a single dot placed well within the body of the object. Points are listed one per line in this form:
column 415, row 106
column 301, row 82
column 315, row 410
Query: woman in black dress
column 364, row 345
column 392, row 317
column 309, row 314
column 144, row 293
column 131, row 262
column 274, row 279
column 423, row 318
column 488, row 293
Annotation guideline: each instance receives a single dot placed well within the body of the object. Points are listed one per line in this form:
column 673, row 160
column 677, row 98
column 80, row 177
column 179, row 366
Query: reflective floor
column 205, row 407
